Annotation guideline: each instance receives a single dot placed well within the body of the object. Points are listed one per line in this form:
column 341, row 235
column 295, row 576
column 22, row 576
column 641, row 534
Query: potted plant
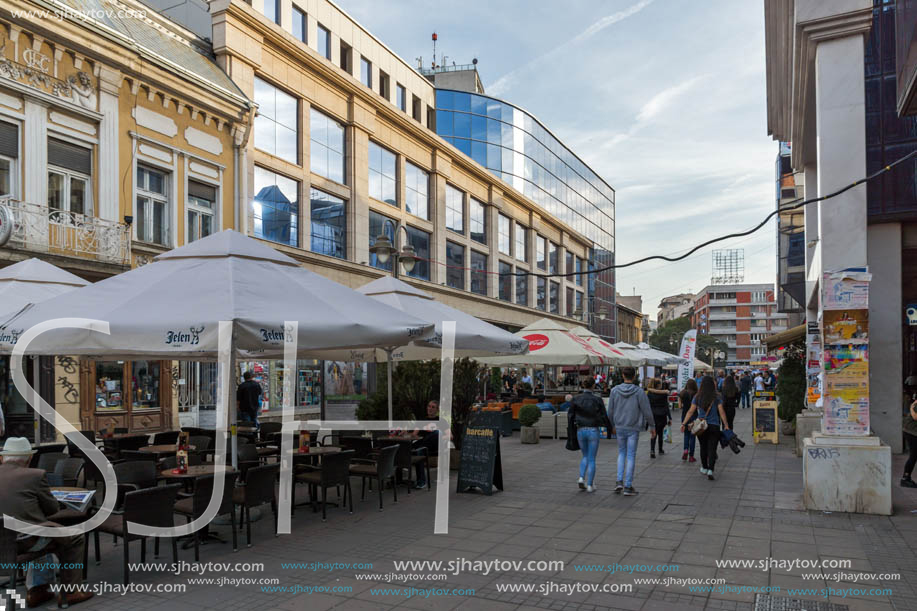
column 791, row 387
column 528, row 416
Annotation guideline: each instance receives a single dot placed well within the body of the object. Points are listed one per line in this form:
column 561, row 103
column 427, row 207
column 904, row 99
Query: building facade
column 630, row 324
column 791, row 239
column 118, row 143
column 674, row 306
column 741, row 316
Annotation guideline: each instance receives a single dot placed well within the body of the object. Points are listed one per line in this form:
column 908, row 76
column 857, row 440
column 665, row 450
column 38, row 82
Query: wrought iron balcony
column 40, row 229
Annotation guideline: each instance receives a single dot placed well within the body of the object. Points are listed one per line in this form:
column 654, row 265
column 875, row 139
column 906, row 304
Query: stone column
column 442, row 167
column 362, row 124
column 109, row 175
column 35, row 186
column 495, row 200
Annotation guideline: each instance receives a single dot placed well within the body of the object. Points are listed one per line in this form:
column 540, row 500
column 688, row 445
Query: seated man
column 568, row 402
column 545, row 406
column 427, row 443
column 27, row 497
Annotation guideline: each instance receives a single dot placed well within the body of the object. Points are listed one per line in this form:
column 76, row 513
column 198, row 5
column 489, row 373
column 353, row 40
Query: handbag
column 572, row 442
column 698, row 426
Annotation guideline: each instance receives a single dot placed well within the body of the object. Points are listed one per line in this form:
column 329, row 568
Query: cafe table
column 165, row 449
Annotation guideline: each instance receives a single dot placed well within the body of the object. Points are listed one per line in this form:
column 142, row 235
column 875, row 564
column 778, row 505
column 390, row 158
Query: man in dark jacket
column 629, row 411
column 27, row 497
column 745, row 389
column 248, row 397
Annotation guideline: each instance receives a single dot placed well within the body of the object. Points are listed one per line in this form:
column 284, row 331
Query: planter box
column 529, row 434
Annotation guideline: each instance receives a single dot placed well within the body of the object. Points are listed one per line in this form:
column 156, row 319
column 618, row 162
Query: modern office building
column 740, row 315
column 791, row 239
column 674, row 306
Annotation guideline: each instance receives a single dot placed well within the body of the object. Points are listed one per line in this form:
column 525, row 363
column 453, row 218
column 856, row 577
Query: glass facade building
column 517, row 148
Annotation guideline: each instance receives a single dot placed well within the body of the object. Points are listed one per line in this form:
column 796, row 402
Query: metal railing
column 40, row 229
column 438, row 69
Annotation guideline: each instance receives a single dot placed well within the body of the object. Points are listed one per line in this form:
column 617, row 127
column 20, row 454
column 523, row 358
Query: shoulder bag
column 572, row 441
column 700, row 424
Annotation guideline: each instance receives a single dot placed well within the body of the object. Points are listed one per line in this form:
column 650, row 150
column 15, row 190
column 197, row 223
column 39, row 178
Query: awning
column 783, row 338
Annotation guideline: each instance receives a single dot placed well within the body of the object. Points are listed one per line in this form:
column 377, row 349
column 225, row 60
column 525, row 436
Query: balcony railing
column 41, row 229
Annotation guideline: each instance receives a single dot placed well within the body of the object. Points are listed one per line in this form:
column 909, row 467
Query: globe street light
column 383, row 249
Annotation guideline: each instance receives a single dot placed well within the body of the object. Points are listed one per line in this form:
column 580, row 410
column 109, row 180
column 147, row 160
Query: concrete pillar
column 493, row 258
column 441, row 169
column 35, row 187
column 109, row 175
column 562, row 269
column 358, row 211
column 885, row 314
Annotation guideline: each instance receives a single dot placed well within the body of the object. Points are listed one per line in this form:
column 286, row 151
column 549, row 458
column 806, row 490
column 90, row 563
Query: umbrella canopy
column 699, row 365
column 671, row 359
column 552, row 344
column 593, row 339
column 172, row 307
column 33, row 281
column 473, row 337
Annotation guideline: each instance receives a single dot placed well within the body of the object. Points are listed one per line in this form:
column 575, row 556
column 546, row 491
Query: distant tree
column 667, row 337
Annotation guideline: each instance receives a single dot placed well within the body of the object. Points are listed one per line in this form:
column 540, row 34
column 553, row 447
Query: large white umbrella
column 550, row 343
column 33, row 281
column 621, row 358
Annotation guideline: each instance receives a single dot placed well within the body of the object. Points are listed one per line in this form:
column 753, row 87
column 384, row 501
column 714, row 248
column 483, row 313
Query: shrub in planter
column 791, row 385
column 528, row 416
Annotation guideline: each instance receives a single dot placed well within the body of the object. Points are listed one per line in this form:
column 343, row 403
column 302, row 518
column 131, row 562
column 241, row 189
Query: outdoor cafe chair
column 406, row 458
column 334, row 471
column 72, row 448
column 66, row 472
column 257, row 490
column 362, row 446
column 48, row 461
column 135, row 455
column 148, row 506
column 134, row 475
column 194, row 506
column 382, row 469
column 202, row 445
column 121, row 430
column 247, row 458
column 11, row 560
column 165, row 438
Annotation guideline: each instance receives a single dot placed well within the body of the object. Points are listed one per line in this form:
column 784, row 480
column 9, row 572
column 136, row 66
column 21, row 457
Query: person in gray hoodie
column 629, row 412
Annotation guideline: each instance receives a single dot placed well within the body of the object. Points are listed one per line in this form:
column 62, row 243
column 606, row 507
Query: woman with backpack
column 710, row 418
column 684, row 404
column 731, row 397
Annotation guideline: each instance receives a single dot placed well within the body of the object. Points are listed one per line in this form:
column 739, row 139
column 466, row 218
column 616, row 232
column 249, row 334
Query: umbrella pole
column 36, row 381
column 388, row 373
column 233, row 415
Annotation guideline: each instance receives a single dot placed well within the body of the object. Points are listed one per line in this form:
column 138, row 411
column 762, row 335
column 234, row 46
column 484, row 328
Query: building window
column 455, row 209
column 579, row 271
column 570, row 302
column 329, row 224
column 522, row 289
column 299, row 24
column 402, row 97
column 579, row 303
column 540, row 293
column 272, row 10
column 455, row 259
column 540, row 252
column 478, row 273
column 152, row 215
column 69, row 177
column 384, row 85
column 323, row 41
column 569, row 266
column 478, row 220
column 420, row 240
column 552, row 258
column 522, row 243
column 503, row 229
column 506, row 281
column 9, row 157
column 277, row 123
column 327, row 146
column 276, row 207
column 145, row 384
column 554, row 298
column 380, row 225
column 415, row 108
column 201, row 207
column 346, row 58
column 366, row 72
column 382, row 174
column 417, row 183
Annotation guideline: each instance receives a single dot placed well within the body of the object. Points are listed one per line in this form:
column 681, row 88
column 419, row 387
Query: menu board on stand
column 845, row 352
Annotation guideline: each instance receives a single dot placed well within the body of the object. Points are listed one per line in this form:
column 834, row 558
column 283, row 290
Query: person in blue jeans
column 629, row 411
column 684, row 402
column 587, row 411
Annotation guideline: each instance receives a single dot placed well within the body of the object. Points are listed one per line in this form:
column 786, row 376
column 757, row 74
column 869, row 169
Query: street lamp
column 383, row 249
column 601, row 314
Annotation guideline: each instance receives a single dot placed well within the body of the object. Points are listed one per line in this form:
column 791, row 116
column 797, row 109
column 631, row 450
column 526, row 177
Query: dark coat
column 26, row 494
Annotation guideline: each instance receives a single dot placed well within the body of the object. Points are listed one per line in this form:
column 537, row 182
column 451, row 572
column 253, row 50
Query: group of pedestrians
column 631, row 409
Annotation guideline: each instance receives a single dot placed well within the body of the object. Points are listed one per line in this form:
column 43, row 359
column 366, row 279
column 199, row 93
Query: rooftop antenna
column 434, row 50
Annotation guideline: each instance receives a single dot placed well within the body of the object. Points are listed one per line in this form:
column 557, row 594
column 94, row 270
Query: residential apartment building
column 741, row 316
column 119, row 139
column 791, row 239
column 674, row 306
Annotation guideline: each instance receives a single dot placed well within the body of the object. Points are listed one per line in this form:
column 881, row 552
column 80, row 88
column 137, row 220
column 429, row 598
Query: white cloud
column 665, row 98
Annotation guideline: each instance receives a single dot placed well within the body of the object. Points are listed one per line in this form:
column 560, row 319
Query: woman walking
column 910, row 435
column 708, row 406
column 588, row 413
column 731, row 397
column 684, row 404
column 659, row 404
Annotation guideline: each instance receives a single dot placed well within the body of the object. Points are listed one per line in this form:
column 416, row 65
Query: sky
column 664, row 99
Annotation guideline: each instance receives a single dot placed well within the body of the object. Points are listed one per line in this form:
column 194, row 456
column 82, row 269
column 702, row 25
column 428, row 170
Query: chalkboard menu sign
column 480, row 465
column 765, row 421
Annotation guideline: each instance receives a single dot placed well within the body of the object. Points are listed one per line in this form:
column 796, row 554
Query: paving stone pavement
column 753, row 511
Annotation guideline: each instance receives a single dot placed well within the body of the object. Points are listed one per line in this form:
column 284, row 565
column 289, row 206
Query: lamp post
column 383, row 249
column 601, row 314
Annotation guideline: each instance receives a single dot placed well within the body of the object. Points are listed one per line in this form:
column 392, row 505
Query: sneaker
column 710, row 475
column 629, row 491
column 703, row 470
column 590, row 488
column 907, row 482
column 619, row 486
column 692, row 459
column 685, row 455
column 661, row 451
column 582, row 483
column 652, row 455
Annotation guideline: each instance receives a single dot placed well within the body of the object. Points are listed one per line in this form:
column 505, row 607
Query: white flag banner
column 688, row 348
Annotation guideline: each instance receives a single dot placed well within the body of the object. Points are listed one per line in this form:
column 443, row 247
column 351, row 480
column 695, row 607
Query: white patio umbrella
column 605, row 347
column 33, row 281
column 172, row 309
column 473, row 337
column 671, row 359
column 550, row 343
column 641, row 357
column 699, row 365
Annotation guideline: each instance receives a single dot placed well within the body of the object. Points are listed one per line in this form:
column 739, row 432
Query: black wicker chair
column 333, row 472
column 194, row 506
column 257, row 490
column 382, row 469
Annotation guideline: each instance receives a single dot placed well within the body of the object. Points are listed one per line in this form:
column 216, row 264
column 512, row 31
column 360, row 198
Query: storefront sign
column 911, row 313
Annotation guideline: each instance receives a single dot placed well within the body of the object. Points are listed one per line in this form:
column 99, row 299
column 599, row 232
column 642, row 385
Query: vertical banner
column 687, row 350
column 845, row 352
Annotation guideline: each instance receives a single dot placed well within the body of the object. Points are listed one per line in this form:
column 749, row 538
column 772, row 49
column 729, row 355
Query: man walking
column 629, row 412
column 248, row 397
column 745, row 389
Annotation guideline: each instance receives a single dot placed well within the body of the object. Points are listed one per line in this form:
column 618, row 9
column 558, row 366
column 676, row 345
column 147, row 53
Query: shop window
column 145, row 384
column 110, row 386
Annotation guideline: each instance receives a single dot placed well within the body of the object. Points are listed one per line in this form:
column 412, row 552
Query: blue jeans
column 689, row 441
column 588, row 437
column 746, row 399
column 627, row 455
